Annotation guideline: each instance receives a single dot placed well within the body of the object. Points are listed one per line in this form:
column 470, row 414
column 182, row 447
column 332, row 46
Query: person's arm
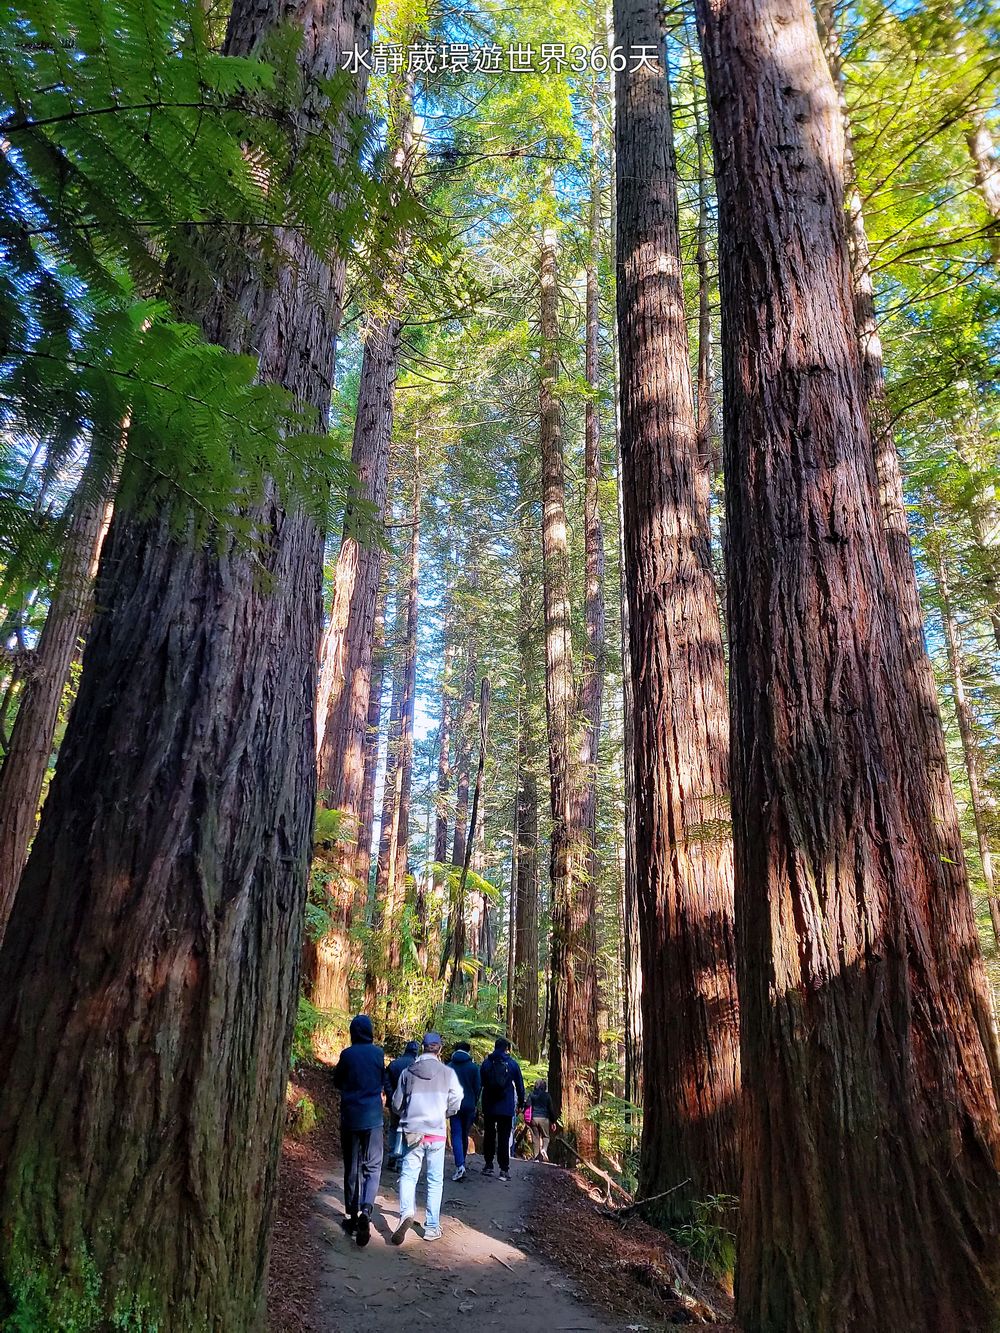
column 477, row 1084
column 519, row 1084
column 397, row 1096
column 339, row 1073
column 455, row 1094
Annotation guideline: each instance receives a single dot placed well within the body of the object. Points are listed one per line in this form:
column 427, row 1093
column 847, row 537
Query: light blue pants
column 410, row 1174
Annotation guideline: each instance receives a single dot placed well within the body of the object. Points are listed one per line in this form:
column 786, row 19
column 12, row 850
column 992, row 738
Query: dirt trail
column 476, row 1277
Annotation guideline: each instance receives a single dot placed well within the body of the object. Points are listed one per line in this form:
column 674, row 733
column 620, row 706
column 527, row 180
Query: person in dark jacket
column 542, row 1121
column 503, row 1097
column 392, row 1076
column 468, row 1075
column 360, row 1077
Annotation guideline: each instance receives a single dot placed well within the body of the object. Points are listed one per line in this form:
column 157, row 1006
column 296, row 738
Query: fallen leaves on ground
column 628, row 1268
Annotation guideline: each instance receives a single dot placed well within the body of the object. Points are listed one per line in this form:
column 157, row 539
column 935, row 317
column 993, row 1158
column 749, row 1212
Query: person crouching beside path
column 359, row 1076
column 467, row 1072
column 427, row 1095
column 503, row 1097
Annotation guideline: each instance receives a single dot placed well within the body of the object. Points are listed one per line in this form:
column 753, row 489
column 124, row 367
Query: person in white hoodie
column 427, row 1095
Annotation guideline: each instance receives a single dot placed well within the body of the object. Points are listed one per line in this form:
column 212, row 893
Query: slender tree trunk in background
column 591, row 693
column 347, row 655
column 572, row 1016
column 462, row 760
column 524, row 1020
column 631, row 961
column 377, row 971
column 967, row 733
column 683, row 856
column 149, row 974
column 706, row 434
column 987, row 168
column 512, row 902
column 399, row 854
column 459, row 933
column 441, row 798
column 870, row 1115
column 27, row 755
column 366, row 820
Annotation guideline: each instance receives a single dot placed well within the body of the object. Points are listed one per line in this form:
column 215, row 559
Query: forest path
column 476, row 1277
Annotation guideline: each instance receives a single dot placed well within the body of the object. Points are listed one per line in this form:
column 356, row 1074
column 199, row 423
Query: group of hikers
column 425, row 1097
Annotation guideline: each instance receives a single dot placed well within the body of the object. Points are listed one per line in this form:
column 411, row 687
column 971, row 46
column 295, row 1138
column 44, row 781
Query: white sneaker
column 433, row 1233
column 459, row 1173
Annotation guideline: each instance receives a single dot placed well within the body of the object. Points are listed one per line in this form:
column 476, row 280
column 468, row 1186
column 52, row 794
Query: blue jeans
column 413, row 1160
column 460, row 1126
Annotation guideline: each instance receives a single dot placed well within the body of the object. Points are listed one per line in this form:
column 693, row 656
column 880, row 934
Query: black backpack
column 498, row 1074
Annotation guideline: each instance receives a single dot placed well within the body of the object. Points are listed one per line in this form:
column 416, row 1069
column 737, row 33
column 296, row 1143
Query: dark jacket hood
column 461, row 1058
column 362, row 1031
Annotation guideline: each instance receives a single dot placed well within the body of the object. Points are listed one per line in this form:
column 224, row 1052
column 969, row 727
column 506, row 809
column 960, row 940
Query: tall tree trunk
column 683, row 855
column 27, row 755
column 366, row 820
column 967, row 733
column 591, row 692
column 631, row 960
column 346, row 658
column 346, row 663
column 870, row 1114
column 524, row 1019
column 459, row 931
column 462, row 758
column 987, row 169
column 149, row 973
column 441, row 803
column 572, row 1014
column 399, row 855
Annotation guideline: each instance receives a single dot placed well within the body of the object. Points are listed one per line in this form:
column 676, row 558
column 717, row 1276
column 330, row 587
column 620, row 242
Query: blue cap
column 432, row 1039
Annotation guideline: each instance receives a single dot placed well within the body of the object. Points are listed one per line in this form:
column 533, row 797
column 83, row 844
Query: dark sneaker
column 505, row 1176
column 349, row 1224
column 399, row 1235
column 487, row 1170
column 364, row 1233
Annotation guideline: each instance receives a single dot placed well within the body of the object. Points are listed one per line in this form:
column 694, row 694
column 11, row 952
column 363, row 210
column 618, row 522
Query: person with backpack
column 541, row 1120
column 467, row 1072
column 392, row 1076
column 359, row 1077
column 503, row 1097
column 428, row 1094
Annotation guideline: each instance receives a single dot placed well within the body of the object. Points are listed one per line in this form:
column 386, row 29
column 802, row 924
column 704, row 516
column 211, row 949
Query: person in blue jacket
column 392, row 1076
column 468, row 1075
column 503, row 1097
column 360, row 1078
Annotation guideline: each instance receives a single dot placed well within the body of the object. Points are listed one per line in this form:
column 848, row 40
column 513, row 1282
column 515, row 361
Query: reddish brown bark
column 868, row 1062
column 149, row 974
column 27, row 755
column 573, row 1045
column 524, row 992
column 683, row 852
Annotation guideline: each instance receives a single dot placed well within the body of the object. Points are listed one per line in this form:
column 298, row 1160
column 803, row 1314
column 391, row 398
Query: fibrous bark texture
column 149, row 973
column 870, row 1192
column 683, row 851
column 573, row 1047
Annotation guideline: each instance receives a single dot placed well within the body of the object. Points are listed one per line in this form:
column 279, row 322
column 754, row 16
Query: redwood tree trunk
column 683, row 853
column 572, row 1013
column 149, row 973
column 31, row 737
column 967, row 732
column 870, row 1193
